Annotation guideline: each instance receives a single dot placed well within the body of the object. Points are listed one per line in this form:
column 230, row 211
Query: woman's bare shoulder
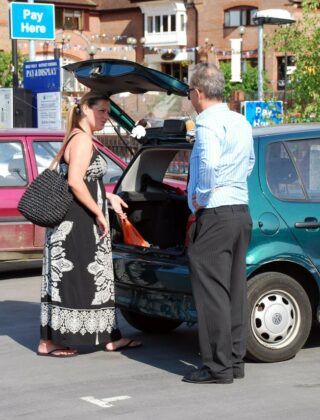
column 80, row 137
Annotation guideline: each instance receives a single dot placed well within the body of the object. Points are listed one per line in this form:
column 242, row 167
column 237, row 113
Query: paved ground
column 139, row 384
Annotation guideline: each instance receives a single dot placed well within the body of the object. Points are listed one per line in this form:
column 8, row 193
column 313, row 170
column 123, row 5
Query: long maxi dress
column 77, row 292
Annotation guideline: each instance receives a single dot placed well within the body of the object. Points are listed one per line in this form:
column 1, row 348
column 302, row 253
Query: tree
column 249, row 84
column 6, row 68
column 302, row 39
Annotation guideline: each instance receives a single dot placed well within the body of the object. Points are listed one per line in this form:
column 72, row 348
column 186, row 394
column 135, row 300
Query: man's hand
column 194, row 202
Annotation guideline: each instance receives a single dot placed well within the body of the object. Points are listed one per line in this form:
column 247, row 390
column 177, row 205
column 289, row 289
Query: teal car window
column 281, row 175
column 306, row 154
column 44, row 152
column 12, row 165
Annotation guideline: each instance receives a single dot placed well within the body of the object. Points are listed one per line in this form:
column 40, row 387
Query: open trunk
column 160, row 217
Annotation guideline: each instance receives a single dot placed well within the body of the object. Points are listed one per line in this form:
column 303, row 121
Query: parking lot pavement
column 142, row 384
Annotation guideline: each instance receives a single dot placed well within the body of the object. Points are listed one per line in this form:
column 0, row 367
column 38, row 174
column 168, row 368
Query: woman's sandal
column 127, row 346
column 51, row 353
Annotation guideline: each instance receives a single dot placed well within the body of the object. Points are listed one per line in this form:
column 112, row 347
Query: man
column 221, row 160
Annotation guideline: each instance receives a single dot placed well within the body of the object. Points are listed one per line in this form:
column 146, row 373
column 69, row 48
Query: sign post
column 43, row 79
column 32, row 21
column 261, row 113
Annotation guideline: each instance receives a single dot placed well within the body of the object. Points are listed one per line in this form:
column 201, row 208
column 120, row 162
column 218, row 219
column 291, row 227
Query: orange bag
column 130, row 234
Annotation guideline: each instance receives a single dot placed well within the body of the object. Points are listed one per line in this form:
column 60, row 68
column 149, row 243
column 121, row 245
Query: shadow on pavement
column 12, row 274
column 176, row 352
column 20, row 321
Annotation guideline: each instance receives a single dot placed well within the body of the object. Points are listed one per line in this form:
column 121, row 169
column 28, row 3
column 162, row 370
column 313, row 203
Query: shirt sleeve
column 251, row 159
column 208, row 156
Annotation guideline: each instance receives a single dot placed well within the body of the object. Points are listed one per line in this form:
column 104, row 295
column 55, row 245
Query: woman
column 77, row 293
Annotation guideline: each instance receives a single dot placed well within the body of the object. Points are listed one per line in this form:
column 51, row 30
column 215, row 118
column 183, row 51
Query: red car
column 24, row 153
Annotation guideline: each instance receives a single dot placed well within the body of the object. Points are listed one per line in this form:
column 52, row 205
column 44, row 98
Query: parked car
column 283, row 259
column 24, row 153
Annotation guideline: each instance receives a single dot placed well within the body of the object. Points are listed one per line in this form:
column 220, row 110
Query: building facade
column 169, row 35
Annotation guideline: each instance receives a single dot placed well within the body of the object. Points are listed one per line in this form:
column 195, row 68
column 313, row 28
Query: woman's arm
column 78, row 155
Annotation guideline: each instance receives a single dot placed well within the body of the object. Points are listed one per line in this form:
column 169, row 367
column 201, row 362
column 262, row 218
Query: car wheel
column 148, row 323
column 280, row 317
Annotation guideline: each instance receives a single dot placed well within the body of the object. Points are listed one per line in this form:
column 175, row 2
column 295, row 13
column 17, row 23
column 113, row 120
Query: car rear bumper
column 176, row 306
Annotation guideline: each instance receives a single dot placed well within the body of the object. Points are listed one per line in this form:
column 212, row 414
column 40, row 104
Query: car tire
column 279, row 317
column 148, row 323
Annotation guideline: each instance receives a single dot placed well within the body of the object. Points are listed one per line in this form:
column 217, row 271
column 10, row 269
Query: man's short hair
column 209, row 79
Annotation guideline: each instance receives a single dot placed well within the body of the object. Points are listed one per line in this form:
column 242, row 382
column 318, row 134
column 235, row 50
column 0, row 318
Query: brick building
column 169, row 35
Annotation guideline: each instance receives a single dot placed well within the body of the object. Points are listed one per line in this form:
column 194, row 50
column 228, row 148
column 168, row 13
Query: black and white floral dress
column 77, row 293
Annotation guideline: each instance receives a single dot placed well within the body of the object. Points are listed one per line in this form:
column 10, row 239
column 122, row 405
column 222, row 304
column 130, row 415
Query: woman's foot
column 123, row 343
column 49, row 348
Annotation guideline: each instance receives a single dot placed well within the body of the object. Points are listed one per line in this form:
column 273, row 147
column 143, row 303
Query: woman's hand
column 102, row 225
column 117, row 203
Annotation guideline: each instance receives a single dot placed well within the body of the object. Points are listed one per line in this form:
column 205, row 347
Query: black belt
column 235, row 208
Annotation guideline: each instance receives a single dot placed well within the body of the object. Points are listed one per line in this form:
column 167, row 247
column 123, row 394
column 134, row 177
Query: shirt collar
column 214, row 108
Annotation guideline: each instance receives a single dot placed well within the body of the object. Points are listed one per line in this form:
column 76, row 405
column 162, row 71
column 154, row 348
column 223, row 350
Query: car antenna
column 121, row 138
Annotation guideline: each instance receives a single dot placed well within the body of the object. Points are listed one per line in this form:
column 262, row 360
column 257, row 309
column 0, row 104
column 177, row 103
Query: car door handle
column 307, row 225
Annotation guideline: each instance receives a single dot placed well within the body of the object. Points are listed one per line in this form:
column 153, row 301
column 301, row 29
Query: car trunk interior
column 157, row 208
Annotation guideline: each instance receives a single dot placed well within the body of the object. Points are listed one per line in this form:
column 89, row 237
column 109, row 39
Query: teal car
column 283, row 259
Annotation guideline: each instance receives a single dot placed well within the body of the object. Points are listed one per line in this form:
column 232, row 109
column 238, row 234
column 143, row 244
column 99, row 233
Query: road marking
column 104, row 402
column 188, row 364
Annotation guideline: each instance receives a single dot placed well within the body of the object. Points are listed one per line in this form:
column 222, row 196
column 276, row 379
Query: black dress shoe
column 205, row 376
column 238, row 375
column 238, row 371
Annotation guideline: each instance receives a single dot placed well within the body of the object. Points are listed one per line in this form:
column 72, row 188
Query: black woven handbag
column 48, row 198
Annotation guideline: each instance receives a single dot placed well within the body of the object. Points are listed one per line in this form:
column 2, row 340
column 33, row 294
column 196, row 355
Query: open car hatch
column 110, row 76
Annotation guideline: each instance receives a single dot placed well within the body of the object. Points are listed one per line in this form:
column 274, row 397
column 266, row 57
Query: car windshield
column 155, row 107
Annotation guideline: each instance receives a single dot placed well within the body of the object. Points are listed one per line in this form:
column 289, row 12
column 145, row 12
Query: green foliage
column 6, row 68
column 249, row 83
column 302, row 40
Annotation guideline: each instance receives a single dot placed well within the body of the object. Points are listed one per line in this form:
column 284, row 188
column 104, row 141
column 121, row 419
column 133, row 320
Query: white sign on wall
column 49, row 110
column 236, row 60
column 6, row 108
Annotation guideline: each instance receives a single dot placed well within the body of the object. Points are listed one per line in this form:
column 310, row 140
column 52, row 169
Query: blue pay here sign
column 32, row 21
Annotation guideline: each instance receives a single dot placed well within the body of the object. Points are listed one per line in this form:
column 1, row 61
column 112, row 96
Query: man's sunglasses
column 189, row 91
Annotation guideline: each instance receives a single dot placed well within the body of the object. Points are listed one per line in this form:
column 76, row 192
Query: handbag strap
column 59, row 155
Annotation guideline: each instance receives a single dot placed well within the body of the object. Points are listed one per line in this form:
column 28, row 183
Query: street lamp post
column 133, row 42
column 270, row 17
column 64, row 40
column 260, row 62
column 92, row 51
column 242, row 31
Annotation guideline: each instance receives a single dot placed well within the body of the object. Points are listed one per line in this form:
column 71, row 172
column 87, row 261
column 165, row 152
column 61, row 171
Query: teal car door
column 290, row 179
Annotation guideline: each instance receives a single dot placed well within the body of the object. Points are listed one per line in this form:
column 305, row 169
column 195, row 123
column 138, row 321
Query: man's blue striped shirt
column 222, row 158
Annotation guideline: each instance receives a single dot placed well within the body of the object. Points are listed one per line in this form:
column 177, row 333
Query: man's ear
column 199, row 94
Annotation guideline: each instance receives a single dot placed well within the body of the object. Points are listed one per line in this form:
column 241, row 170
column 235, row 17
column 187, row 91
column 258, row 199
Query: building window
column 238, row 16
column 282, row 68
column 69, row 19
column 165, row 23
column 150, row 24
column 157, row 25
column 173, row 23
column 182, row 23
